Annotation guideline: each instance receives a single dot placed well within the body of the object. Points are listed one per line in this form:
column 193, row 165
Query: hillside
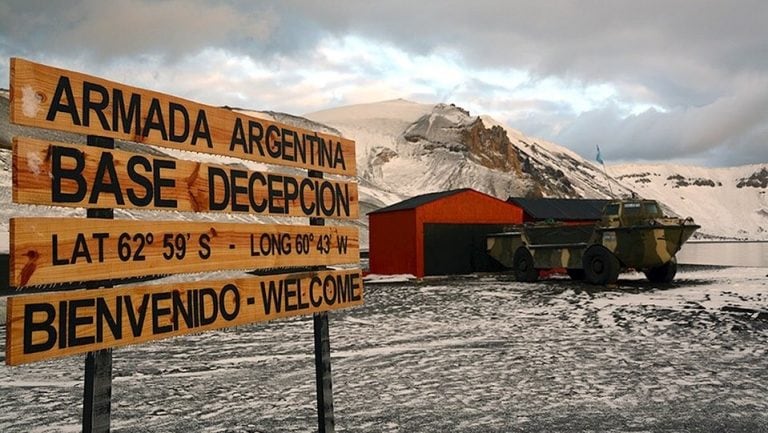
column 406, row 149
column 411, row 149
column 727, row 202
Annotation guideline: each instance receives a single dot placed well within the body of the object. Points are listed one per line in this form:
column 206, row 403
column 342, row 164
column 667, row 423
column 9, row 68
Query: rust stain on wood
column 192, row 189
column 30, row 267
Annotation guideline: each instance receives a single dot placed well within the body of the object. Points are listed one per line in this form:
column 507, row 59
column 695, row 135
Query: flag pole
column 599, row 159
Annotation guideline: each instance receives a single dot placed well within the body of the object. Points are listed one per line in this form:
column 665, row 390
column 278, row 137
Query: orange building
column 441, row 233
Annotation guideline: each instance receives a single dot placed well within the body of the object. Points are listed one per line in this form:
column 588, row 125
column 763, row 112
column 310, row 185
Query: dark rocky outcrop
column 758, row 179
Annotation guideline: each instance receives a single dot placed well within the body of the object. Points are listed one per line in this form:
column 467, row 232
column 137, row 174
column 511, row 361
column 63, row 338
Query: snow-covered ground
column 468, row 354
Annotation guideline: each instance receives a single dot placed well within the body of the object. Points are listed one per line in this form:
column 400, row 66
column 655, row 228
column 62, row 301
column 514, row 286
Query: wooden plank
column 49, row 325
column 46, row 97
column 58, row 250
column 60, row 174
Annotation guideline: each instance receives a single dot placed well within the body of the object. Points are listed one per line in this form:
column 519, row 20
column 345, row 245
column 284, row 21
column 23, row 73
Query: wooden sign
column 57, row 250
column 49, row 325
column 59, row 174
column 47, row 97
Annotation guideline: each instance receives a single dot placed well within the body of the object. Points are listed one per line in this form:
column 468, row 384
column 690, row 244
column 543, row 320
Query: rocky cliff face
column 492, row 148
column 412, row 149
column 532, row 169
column 452, row 128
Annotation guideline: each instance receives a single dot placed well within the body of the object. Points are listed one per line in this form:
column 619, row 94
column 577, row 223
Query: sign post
column 97, row 394
column 323, row 377
column 324, row 380
column 96, row 313
column 97, row 387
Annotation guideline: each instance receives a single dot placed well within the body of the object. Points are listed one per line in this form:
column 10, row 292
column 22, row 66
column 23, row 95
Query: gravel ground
column 470, row 354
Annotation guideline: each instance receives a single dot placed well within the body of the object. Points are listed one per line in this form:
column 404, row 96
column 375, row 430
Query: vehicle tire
column 664, row 273
column 522, row 264
column 576, row 274
column 601, row 267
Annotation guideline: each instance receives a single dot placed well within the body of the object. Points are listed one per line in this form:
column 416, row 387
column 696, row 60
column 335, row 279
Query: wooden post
column 323, row 378
column 97, row 392
column 97, row 395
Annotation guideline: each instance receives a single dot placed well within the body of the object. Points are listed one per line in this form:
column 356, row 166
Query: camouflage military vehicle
column 633, row 234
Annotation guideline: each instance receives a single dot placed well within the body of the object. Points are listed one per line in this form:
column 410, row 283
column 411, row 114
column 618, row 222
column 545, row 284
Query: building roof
column 561, row 209
column 419, row 200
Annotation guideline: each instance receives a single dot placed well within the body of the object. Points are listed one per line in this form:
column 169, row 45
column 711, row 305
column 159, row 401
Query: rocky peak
column 453, row 128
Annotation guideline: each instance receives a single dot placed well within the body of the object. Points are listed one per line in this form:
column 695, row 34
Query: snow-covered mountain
column 410, row 149
column 406, row 149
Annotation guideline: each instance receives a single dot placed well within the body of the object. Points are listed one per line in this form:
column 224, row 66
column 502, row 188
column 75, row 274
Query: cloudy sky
column 652, row 80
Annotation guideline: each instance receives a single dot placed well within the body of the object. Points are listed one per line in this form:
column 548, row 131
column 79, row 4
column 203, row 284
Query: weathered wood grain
column 58, row 250
column 52, row 98
column 49, row 325
column 61, row 174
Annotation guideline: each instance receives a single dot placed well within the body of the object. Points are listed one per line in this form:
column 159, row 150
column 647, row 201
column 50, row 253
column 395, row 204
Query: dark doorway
column 451, row 249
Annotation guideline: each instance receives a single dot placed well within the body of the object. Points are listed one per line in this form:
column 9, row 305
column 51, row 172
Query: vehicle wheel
column 600, row 266
column 522, row 265
column 664, row 273
column 576, row 274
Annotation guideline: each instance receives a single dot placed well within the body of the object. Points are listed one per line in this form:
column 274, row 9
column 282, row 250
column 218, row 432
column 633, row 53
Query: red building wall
column 392, row 240
column 472, row 207
column 396, row 242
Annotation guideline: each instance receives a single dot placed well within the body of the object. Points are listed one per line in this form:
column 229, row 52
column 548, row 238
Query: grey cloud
column 734, row 128
column 169, row 29
column 705, row 62
column 683, row 52
column 679, row 50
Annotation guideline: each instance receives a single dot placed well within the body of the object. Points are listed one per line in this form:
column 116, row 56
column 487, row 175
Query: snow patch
column 34, row 162
column 4, row 240
column 30, row 101
column 396, row 278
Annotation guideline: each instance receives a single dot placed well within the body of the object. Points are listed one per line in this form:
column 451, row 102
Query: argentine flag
column 599, row 157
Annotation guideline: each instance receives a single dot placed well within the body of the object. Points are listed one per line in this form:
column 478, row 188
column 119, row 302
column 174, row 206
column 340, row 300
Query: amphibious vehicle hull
column 595, row 252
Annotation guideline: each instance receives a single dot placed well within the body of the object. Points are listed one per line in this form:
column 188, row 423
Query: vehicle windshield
column 651, row 208
column 632, row 209
column 612, row 209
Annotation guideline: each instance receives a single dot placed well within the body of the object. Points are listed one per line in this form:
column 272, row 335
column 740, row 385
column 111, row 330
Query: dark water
column 752, row 254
